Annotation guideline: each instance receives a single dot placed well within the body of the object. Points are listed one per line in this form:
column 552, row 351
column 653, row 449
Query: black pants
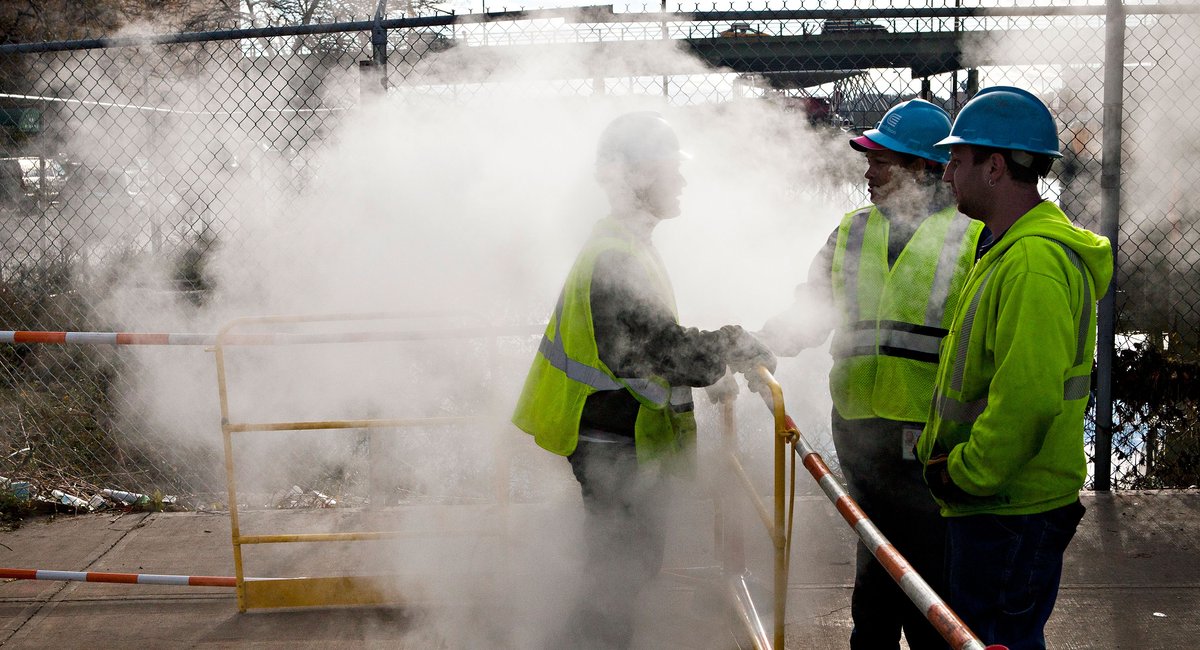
column 1005, row 570
column 624, row 537
column 892, row 493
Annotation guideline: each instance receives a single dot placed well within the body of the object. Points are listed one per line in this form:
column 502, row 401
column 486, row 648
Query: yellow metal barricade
column 775, row 520
column 261, row 593
column 788, row 439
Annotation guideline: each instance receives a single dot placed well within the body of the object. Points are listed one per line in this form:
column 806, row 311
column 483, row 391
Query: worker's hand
column 725, row 389
column 756, row 385
column 937, row 477
column 744, row 353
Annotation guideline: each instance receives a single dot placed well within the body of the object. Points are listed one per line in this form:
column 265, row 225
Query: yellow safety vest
column 892, row 321
column 567, row 368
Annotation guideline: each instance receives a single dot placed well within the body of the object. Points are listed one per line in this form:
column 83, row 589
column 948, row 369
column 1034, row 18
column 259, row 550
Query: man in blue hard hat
column 1003, row 448
column 886, row 283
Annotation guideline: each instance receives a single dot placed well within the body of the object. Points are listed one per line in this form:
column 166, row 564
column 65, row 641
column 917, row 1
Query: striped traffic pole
column 947, row 623
column 121, row 578
column 156, row 338
column 106, row 338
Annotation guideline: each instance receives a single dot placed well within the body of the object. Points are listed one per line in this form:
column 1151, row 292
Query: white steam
column 420, row 202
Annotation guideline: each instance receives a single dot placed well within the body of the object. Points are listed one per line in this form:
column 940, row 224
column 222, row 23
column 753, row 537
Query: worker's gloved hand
column 744, row 352
column 725, row 389
column 937, row 477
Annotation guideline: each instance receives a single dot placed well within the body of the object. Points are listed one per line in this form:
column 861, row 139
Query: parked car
column 426, row 40
column 118, row 193
column 856, row 25
column 741, row 30
column 28, row 179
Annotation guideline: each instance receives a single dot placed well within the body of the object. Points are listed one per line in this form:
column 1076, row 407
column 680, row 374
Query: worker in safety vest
column 886, row 284
column 610, row 387
column 1003, row 448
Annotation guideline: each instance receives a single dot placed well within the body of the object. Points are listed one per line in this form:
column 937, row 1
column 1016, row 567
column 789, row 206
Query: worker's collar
column 638, row 223
column 930, row 200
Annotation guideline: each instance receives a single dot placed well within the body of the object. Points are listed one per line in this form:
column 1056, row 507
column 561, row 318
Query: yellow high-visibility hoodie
column 1014, row 373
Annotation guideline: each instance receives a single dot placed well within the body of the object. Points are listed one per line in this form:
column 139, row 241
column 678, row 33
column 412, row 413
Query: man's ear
column 997, row 165
column 916, row 165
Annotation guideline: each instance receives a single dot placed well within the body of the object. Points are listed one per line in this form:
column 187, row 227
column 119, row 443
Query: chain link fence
column 128, row 154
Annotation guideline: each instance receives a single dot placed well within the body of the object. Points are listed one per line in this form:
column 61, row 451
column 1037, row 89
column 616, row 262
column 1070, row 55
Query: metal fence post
column 379, row 44
column 1110, row 210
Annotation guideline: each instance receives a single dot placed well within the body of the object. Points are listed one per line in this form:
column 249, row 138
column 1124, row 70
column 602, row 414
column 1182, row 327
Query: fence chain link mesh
column 178, row 131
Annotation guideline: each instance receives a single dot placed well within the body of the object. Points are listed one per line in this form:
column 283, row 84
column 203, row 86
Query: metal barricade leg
column 731, row 531
column 952, row 629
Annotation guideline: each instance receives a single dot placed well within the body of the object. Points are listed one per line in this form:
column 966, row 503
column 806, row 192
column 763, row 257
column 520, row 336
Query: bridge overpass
column 923, row 53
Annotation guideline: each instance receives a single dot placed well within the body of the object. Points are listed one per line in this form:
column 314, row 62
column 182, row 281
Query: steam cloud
column 471, row 199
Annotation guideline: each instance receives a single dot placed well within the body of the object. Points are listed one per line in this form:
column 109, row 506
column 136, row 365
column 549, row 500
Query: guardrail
column 787, row 435
column 329, row 590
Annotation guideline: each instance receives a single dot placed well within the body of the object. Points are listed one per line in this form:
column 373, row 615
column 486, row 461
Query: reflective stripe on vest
column 1074, row 388
column 679, row 398
column 919, row 342
column 889, row 338
column 857, row 337
column 856, row 340
column 944, row 274
column 854, row 244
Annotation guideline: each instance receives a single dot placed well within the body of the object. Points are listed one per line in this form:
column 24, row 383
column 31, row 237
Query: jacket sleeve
column 1032, row 341
column 637, row 335
column 810, row 319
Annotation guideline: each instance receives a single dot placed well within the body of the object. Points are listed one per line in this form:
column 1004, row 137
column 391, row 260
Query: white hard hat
column 642, row 136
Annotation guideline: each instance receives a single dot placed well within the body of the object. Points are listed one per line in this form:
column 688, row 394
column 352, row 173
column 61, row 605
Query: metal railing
column 778, row 525
column 260, row 593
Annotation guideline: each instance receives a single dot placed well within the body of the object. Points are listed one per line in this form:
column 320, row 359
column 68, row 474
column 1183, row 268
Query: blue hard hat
column 912, row 127
column 1005, row 117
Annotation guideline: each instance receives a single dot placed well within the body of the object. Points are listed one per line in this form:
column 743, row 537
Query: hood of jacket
column 1047, row 220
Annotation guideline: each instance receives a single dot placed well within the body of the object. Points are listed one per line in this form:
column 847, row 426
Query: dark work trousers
column 624, row 537
column 891, row 491
column 1004, row 572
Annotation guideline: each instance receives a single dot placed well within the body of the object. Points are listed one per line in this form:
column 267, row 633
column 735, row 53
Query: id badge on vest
column 908, row 441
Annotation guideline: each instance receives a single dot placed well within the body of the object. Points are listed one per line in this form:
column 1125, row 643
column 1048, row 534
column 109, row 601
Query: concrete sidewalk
column 1132, row 581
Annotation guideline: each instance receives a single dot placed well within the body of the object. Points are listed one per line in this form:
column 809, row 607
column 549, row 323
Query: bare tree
column 227, row 14
column 26, row 21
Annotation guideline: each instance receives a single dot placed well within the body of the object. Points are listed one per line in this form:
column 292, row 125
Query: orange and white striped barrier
column 121, row 578
column 155, row 338
column 947, row 623
column 106, row 338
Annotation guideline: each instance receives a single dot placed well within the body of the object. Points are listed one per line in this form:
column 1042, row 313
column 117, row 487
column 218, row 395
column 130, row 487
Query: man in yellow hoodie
column 1003, row 447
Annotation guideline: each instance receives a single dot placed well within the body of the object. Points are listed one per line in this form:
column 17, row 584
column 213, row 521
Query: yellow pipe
column 779, row 537
column 350, row 424
column 230, row 478
column 752, row 492
column 354, row 537
column 320, row 318
column 733, row 559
